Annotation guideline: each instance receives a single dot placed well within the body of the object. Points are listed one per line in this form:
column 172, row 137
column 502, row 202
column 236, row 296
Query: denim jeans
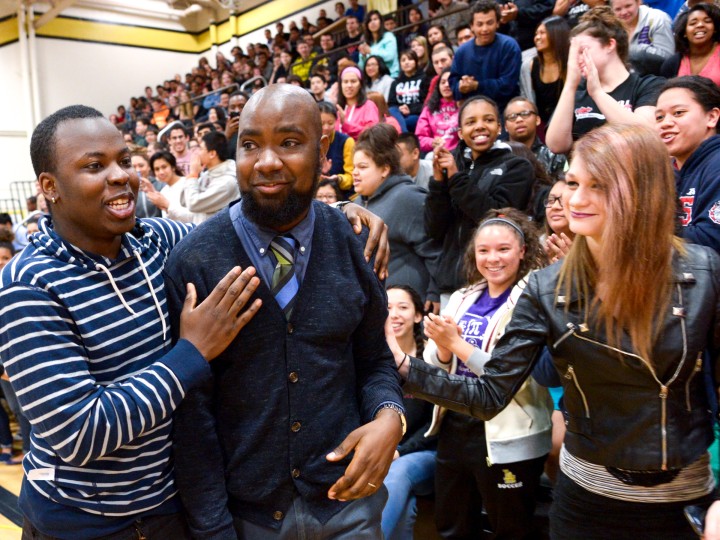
column 410, row 475
column 407, row 123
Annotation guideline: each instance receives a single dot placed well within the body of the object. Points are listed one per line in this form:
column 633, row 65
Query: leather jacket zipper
column 571, row 330
column 696, row 370
column 570, row 374
column 664, row 387
column 663, row 391
column 663, row 424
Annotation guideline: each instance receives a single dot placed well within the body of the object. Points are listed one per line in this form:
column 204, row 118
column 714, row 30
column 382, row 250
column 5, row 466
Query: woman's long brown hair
column 634, row 268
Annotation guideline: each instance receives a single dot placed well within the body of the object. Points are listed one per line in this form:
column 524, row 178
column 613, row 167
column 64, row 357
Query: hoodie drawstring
column 152, row 292
column 149, row 284
column 117, row 291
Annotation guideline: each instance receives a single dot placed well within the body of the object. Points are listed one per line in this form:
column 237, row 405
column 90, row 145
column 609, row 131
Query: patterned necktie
column 284, row 281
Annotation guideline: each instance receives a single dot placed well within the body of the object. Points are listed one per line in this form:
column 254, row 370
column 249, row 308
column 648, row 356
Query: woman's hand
column 431, row 307
column 444, row 165
column 326, row 165
column 364, row 48
column 574, row 71
column 341, row 114
column 402, row 364
column 443, row 330
column 153, row 195
column 590, row 72
column 557, row 246
column 404, row 109
column 146, row 186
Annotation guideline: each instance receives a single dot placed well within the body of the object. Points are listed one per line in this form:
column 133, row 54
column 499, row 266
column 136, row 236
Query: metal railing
column 252, row 81
column 19, row 192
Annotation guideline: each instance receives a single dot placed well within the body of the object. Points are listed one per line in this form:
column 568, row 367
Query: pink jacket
column 441, row 123
column 358, row 118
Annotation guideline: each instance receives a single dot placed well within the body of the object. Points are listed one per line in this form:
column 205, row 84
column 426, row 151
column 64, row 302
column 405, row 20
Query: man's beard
column 276, row 213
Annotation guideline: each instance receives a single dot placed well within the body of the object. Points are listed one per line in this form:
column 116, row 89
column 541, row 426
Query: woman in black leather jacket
column 629, row 316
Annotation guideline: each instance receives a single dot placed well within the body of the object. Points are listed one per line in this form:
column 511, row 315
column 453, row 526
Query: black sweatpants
column 464, row 483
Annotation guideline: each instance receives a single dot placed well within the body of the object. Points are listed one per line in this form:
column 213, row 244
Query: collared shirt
column 256, row 241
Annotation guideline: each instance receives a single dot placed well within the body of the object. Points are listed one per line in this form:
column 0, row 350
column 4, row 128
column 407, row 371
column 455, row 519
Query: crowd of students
column 606, row 65
column 456, row 130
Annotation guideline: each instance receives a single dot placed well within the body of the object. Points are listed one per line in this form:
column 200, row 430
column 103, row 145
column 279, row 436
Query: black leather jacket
column 621, row 410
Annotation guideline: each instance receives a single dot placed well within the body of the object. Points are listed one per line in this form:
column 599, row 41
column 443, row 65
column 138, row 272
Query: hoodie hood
column 709, row 147
column 227, row 167
column 134, row 246
column 48, row 242
column 388, row 184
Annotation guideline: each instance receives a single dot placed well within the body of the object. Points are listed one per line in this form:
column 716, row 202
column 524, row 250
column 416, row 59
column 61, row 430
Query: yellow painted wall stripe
column 156, row 38
column 225, row 31
column 63, row 27
column 119, row 34
column 8, row 30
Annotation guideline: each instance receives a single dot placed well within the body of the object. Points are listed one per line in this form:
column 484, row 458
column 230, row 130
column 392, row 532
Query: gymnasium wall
column 101, row 59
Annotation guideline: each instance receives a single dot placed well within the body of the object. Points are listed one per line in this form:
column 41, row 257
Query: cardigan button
column 278, row 515
column 296, row 473
column 290, row 328
column 293, row 377
column 295, row 427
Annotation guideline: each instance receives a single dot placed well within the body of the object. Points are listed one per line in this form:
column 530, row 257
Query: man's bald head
column 292, row 100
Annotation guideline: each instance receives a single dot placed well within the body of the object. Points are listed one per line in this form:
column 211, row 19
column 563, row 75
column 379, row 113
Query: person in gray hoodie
column 207, row 193
column 392, row 195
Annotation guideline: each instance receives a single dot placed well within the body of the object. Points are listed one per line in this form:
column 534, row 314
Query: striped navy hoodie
column 86, row 343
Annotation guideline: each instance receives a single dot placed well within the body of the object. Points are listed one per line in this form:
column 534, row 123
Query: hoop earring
column 53, row 200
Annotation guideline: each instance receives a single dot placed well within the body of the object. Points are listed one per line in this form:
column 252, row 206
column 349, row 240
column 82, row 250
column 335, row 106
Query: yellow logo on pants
column 509, row 480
